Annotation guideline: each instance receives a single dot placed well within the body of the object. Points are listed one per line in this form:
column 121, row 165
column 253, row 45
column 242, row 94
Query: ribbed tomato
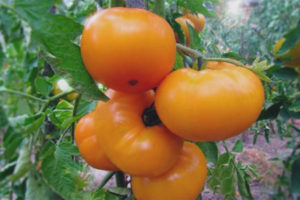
column 128, row 49
column 184, row 181
column 216, row 103
column 133, row 147
column 85, row 138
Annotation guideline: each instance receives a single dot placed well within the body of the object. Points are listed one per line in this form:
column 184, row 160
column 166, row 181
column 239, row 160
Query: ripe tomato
column 216, row 103
column 184, row 181
column 85, row 137
column 198, row 20
column 183, row 21
column 133, row 147
column 128, row 49
column 292, row 56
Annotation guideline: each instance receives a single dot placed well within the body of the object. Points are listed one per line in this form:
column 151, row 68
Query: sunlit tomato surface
column 216, row 103
column 183, row 21
column 128, row 49
column 88, row 145
column 184, row 181
column 198, row 20
column 133, row 147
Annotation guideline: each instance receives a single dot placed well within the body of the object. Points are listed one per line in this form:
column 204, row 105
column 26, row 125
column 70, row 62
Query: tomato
column 183, row 21
column 216, row 103
column 85, row 137
column 133, row 147
column 184, row 181
column 292, row 56
column 128, row 49
column 198, row 20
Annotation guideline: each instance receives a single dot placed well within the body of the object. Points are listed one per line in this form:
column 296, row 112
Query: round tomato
column 133, row 147
column 198, row 21
column 183, row 21
column 128, row 49
column 216, row 103
column 88, row 145
column 184, row 181
column 291, row 58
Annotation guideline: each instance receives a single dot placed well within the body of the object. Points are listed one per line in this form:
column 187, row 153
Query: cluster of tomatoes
column 133, row 51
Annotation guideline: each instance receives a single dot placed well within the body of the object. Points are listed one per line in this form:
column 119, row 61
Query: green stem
column 77, row 101
column 196, row 54
column 120, row 179
column 117, row 3
column 2, row 89
column 159, row 8
column 54, row 98
column 107, row 177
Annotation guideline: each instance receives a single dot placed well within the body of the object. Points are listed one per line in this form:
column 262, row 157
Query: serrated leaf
column 64, row 153
column 37, row 189
column 210, row 150
column 43, row 86
column 23, row 163
column 259, row 67
column 56, row 33
column 238, row 146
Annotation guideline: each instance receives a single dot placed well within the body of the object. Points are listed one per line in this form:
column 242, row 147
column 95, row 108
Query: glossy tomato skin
column 213, row 104
column 128, row 49
column 184, row 181
column 135, row 148
column 85, row 138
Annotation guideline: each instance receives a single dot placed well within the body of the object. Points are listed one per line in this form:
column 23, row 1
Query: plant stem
column 106, row 178
column 120, row 179
column 117, row 3
column 196, row 54
column 2, row 89
column 159, row 7
column 77, row 101
column 51, row 99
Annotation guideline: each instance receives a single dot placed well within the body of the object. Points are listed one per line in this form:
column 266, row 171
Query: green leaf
column 56, row 33
column 1, row 56
column 194, row 37
column 37, row 189
column 295, row 107
column 223, row 159
column 43, row 86
column 210, row 150
column 86, row 106
column 271, row 112
column 23, row 163
column 103, row 194
column 11, row 142
column 64, row 153
column 291, row 40
column 33, row 123
column 238, row 146
column 198, row 7
column 62, row 115
column 3, row 118
column 178, row 62
column 286, row 73
column 259, row 67
column 243, row 185
column 295, row 176
column 59, row 177
column 227, row 186
column 7, row 170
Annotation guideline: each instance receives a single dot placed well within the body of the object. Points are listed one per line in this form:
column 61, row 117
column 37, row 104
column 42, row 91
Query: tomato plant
column 205, row 87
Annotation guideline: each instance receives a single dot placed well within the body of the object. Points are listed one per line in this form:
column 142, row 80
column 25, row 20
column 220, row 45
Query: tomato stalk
column 120, row 179
column 196, row 54
column 159, row 7
column 51, row 99
column 2, row 89
column 117, row 3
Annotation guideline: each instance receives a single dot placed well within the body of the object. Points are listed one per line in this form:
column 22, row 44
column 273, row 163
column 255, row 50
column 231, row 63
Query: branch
column 3, row 89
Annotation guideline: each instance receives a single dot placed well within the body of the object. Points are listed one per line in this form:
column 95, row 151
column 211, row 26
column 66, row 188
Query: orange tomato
column 133, row 147
column 128, row 49
column 291, row 58
column 184, row 181
column 85, row 138
column 198, row 20
column 216, row 103
column 183, row 21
